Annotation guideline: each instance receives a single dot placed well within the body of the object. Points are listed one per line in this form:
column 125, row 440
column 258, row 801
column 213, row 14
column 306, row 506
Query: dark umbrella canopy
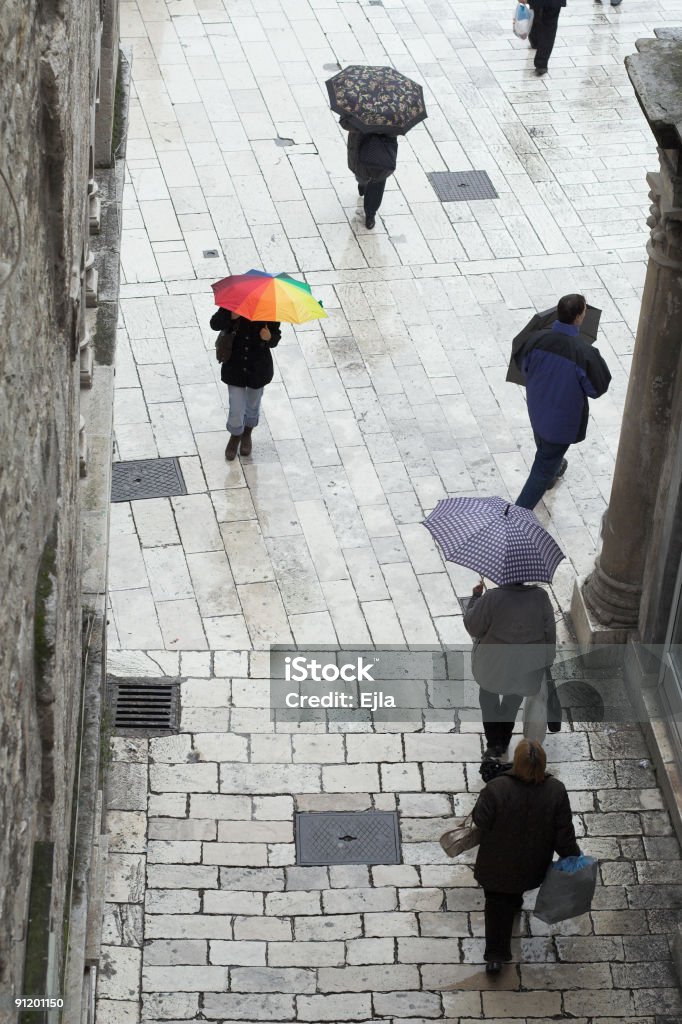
column 376, row 99
column 499, row 540
column 540, row 322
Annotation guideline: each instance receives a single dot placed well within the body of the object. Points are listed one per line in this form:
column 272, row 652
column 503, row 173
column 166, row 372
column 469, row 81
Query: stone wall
column 47, row 120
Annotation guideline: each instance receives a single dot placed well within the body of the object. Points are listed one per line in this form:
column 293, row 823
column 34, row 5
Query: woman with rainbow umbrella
column 252, row 306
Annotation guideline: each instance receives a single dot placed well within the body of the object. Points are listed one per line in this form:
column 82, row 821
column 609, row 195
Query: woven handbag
column 464, row 836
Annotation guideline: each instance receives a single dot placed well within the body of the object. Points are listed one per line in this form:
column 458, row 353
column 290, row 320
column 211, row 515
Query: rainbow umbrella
column 260, row 296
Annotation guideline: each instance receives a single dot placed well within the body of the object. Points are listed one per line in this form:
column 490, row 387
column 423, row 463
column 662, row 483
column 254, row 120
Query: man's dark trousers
column 545, row 467
column 543, row 33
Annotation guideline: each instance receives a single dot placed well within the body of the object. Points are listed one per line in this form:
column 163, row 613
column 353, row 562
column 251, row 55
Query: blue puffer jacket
column 562, row 371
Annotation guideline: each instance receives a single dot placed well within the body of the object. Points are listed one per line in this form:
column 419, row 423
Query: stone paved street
column 396, row 400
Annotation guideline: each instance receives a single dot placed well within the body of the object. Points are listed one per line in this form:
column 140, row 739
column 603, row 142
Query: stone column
column 612, row 592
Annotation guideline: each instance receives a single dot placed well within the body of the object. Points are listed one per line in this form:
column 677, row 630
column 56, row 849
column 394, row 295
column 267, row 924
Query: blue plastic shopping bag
column 567, row 890
column 523, row 21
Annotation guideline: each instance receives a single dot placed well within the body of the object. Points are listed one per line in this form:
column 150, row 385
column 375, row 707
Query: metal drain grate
column 146, row 478
column 144, row 706
column 367, row 837
column 462, row 186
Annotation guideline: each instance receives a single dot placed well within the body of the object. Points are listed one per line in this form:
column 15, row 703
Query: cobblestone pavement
column 394, row 401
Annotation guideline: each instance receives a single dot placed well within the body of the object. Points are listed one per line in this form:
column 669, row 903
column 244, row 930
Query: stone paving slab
column 396, row 400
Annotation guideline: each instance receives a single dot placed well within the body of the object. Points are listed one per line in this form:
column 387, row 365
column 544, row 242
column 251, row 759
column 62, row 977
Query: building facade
column 58, row 69
column 633, row 598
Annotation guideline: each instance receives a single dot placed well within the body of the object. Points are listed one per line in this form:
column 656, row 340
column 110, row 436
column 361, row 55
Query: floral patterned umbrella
column 375, row 99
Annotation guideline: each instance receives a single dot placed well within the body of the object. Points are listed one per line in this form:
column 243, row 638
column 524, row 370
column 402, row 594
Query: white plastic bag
column 523, row 21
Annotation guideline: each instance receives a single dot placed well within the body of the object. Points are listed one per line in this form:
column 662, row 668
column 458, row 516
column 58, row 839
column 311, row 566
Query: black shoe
column 361, row 190
column 369, row 223
column 541, row 71
column 493, row 967
column 493, row 752
column 562, row 469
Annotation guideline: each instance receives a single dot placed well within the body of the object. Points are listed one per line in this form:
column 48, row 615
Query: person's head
column 571, row 309
column 530, row 761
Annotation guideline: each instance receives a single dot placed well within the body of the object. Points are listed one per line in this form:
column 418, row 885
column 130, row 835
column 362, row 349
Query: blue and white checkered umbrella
column 501, row 541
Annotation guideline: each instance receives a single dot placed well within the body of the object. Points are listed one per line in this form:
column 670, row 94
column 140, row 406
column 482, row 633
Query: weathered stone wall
column 48, row 64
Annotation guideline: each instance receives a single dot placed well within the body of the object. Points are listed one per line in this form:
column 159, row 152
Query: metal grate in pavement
column 462, row 186
column 146, row 478
column 145, row 707
column 367, row 837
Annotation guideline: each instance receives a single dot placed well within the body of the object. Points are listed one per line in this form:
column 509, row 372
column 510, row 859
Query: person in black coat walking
column 524, row 816
column 562, row 370
column 543, row 32
column 372, row 159
column 247, row 371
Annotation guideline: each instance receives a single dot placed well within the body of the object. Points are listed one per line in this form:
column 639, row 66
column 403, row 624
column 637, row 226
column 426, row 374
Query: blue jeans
column 544, row 469
column 244, row 408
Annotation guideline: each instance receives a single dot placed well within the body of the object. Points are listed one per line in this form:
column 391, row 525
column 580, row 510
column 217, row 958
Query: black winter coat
column 363, row 173
column 522, row 824
column 250, row 365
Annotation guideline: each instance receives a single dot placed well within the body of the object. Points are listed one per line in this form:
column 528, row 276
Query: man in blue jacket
column 562, row 371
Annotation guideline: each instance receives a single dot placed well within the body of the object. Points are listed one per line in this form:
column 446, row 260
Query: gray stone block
column 391, row 977
column 270, row 979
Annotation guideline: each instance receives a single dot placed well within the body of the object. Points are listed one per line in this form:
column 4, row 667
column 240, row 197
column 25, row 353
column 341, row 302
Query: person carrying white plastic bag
column 524, row 816
column 543, row 30
column 567, row 890
column 523, row 20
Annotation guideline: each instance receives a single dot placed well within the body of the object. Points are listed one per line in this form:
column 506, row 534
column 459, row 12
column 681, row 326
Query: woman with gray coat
column 514, row 636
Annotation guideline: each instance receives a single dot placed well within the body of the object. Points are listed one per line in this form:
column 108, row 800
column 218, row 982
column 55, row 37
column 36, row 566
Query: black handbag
column 491, row 768
column 379, row 154
column 223, row 345
column 554, row 709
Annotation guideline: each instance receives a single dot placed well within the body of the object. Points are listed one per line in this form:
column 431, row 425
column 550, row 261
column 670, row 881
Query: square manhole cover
column 366, row 837
column 146, row 478
column 145, row 707
column 462, row 186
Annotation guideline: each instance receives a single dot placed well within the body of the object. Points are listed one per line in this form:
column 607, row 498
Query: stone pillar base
column 604, row 645
column 612, row 603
